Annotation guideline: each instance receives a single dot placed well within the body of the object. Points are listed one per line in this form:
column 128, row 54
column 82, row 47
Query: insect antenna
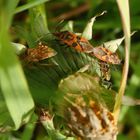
column 57, row 28
column 41, row 37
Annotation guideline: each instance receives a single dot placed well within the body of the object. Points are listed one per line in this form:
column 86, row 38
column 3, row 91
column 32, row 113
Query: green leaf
column 6, row 12
column 87, row 33
column 5, row 119
column 29, row 5
column 13, row 86
column 38, row 23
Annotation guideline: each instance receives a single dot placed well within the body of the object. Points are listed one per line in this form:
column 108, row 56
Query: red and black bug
column 72, row 40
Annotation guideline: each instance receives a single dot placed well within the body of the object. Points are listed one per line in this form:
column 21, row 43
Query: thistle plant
column 46, row 82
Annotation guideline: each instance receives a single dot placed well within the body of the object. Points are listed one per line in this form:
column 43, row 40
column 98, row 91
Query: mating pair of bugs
column 79, row 43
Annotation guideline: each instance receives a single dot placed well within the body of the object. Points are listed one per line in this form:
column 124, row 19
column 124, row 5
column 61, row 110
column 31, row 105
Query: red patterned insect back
column 72, row 40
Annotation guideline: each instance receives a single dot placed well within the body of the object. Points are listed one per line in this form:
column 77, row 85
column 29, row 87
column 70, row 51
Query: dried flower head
column 90, row 121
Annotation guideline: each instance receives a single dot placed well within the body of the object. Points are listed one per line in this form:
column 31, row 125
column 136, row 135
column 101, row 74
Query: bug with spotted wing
column 105, row 55
column 41, row 52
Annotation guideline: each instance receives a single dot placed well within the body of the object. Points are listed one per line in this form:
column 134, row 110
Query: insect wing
column 86, row 46
column 37, row 54
column 105, row 55
column 44, row 52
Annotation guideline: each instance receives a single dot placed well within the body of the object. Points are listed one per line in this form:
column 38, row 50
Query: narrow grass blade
column 6, row 9
column 38, row 22
column 29, row 5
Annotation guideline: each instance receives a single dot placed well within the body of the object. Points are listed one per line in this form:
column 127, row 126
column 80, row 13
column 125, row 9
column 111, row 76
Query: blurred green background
column 106, row 28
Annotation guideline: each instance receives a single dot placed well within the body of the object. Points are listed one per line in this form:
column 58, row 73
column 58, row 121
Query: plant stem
column 124, row 12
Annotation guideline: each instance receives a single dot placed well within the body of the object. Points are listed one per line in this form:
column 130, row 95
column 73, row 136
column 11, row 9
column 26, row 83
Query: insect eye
column 78, row 37
column 70, row 37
